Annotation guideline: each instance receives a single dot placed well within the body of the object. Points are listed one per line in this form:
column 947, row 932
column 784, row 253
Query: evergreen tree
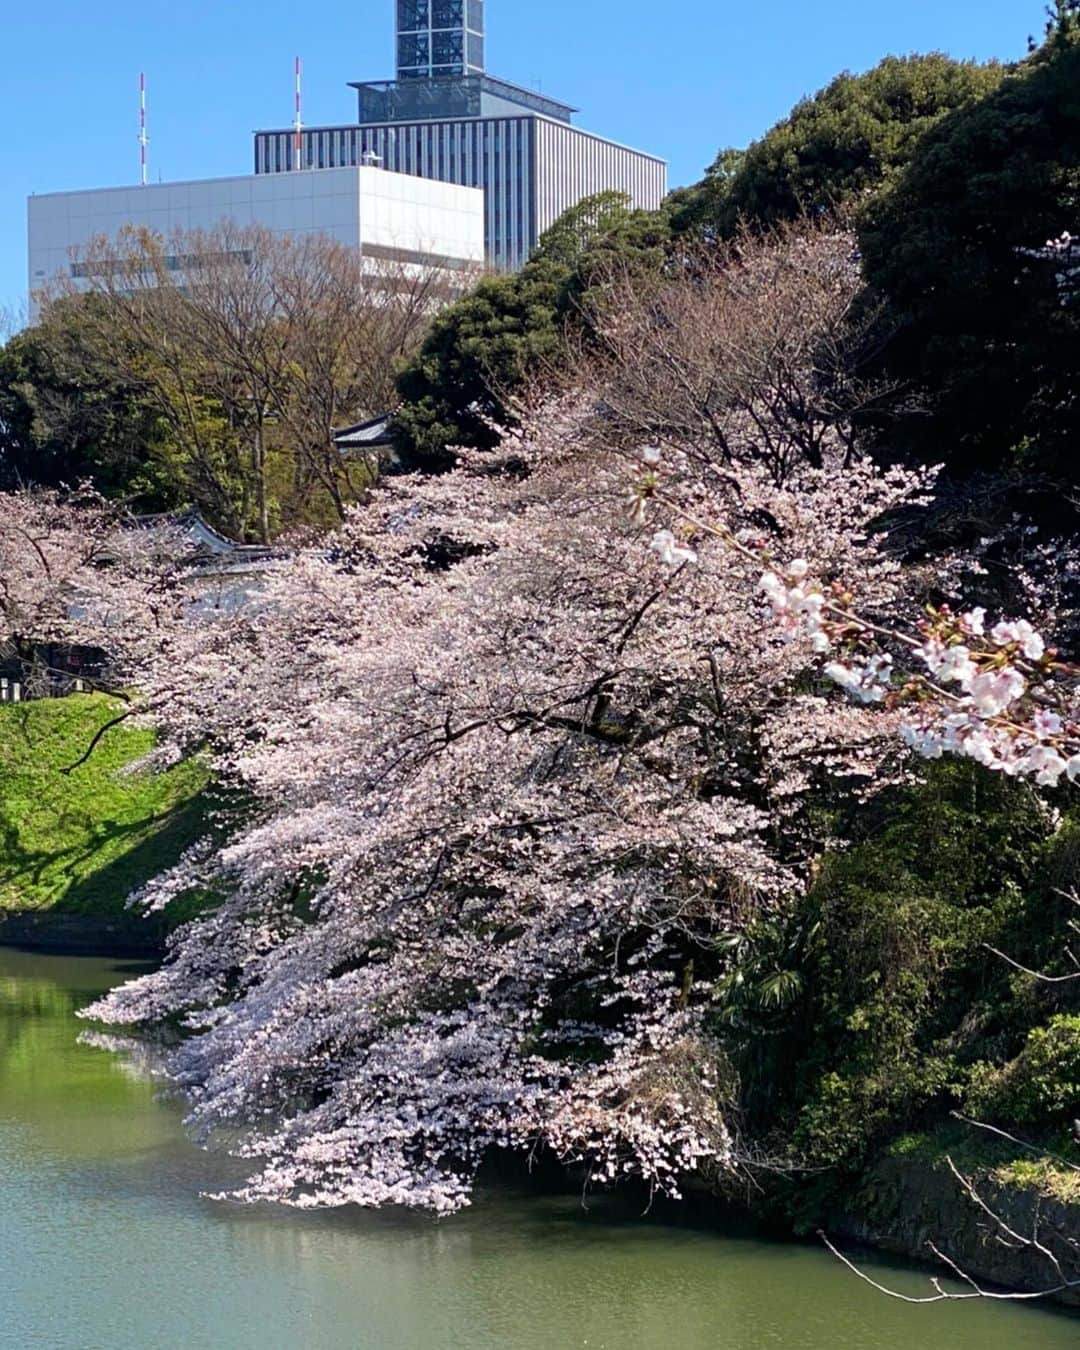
column 958, row 244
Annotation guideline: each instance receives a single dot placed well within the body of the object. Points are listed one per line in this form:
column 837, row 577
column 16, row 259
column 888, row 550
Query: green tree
column 476, row 354
column 67, row 414
column 482, row 350
column 702, row 204
column 834, row 148
column 955, row 244
column 577, row 228
column 868, row 1009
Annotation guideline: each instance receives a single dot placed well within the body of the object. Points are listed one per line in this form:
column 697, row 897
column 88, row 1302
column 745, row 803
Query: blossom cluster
column 490, row 769
column 995, row 694
column 972, row 689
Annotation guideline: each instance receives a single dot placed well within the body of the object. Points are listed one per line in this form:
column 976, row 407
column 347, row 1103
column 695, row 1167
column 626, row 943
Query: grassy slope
column 996, row 1159
column 79, row 843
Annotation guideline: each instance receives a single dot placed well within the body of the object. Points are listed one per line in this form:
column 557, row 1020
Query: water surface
column 105, row 1243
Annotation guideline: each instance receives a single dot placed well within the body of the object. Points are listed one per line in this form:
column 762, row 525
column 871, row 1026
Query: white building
column 390, row 216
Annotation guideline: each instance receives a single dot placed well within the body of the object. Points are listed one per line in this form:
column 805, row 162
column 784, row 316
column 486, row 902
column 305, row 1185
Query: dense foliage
column 876, row 1007
column 476, row 355
column 68, row 414
column 835, row 148
column 985, row 329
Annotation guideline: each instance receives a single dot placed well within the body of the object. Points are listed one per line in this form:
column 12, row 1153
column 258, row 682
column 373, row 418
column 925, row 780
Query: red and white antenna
column 144, row 140
column 299, row 116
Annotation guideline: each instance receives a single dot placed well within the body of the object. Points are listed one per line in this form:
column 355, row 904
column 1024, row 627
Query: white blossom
column 670, row 552
column 1023, row 635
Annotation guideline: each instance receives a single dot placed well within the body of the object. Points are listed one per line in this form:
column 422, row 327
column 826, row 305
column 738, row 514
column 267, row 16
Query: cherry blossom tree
column 500, row 775
column 508, row 775
column 75, row 571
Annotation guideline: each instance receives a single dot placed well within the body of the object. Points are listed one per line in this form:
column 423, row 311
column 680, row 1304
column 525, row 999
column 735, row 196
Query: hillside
column 78, row 843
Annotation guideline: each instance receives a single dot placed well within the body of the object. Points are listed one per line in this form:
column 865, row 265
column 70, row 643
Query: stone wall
column 906, row 1203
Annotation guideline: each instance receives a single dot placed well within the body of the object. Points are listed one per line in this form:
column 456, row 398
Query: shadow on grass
column 91, row 913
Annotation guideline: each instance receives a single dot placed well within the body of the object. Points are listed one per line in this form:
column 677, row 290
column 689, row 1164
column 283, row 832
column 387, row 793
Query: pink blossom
column 1045, row 764
column 1046, row 724
column 993, row 691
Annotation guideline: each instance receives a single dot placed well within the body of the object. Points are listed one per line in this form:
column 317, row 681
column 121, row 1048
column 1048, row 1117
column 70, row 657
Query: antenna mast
column 299, row 116
column 143, row 138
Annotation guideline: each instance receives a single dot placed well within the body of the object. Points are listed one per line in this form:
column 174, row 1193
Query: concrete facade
column 531, row 167
column 387, row 215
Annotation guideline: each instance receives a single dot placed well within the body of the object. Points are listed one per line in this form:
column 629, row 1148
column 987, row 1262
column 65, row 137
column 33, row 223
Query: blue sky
column 217, row 71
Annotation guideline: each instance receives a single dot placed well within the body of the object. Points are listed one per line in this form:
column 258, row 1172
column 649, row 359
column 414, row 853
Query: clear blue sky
column 219, row 70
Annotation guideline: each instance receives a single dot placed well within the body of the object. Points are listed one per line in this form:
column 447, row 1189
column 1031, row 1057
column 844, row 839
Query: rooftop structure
column 439, row 38
column 445, row 97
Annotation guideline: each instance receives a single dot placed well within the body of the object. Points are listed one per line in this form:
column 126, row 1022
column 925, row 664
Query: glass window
column 412, row 14
column 476, row 15
column 448, row 14
column 447, row 49
column 413, row 50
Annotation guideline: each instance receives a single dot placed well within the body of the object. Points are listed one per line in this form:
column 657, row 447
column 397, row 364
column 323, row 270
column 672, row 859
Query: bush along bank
column 76, row 839
column 891, row 1002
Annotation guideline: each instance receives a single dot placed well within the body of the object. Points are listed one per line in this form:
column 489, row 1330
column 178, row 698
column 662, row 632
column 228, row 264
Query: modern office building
column 387, row 216
column 444, row 118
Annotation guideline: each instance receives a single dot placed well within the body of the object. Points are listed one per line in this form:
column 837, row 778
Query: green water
column 106, row 1245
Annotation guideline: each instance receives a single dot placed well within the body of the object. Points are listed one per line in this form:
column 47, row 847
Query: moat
column 105, row 1243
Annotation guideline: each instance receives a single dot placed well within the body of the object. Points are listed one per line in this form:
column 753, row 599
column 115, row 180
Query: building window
column 413, row 50
column 448, row 14
column 412, row 14
column 447, row 49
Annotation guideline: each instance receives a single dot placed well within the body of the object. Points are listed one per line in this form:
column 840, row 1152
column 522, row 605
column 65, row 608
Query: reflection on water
column 105, row 1243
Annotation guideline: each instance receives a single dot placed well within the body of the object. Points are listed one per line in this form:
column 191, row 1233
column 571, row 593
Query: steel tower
column 438, row 39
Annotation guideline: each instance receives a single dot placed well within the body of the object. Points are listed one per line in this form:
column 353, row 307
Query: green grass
column 1045, row 1175
column 978, row 1154
column 79, row 843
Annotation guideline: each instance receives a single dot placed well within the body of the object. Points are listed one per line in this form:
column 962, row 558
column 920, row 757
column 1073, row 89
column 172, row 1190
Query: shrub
column 1041, row 1086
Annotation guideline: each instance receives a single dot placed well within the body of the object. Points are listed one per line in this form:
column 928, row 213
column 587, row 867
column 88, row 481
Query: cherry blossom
column 670, row 552
column 494, row 777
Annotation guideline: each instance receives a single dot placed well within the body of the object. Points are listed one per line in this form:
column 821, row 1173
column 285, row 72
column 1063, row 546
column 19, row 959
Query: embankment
column 77, row 838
